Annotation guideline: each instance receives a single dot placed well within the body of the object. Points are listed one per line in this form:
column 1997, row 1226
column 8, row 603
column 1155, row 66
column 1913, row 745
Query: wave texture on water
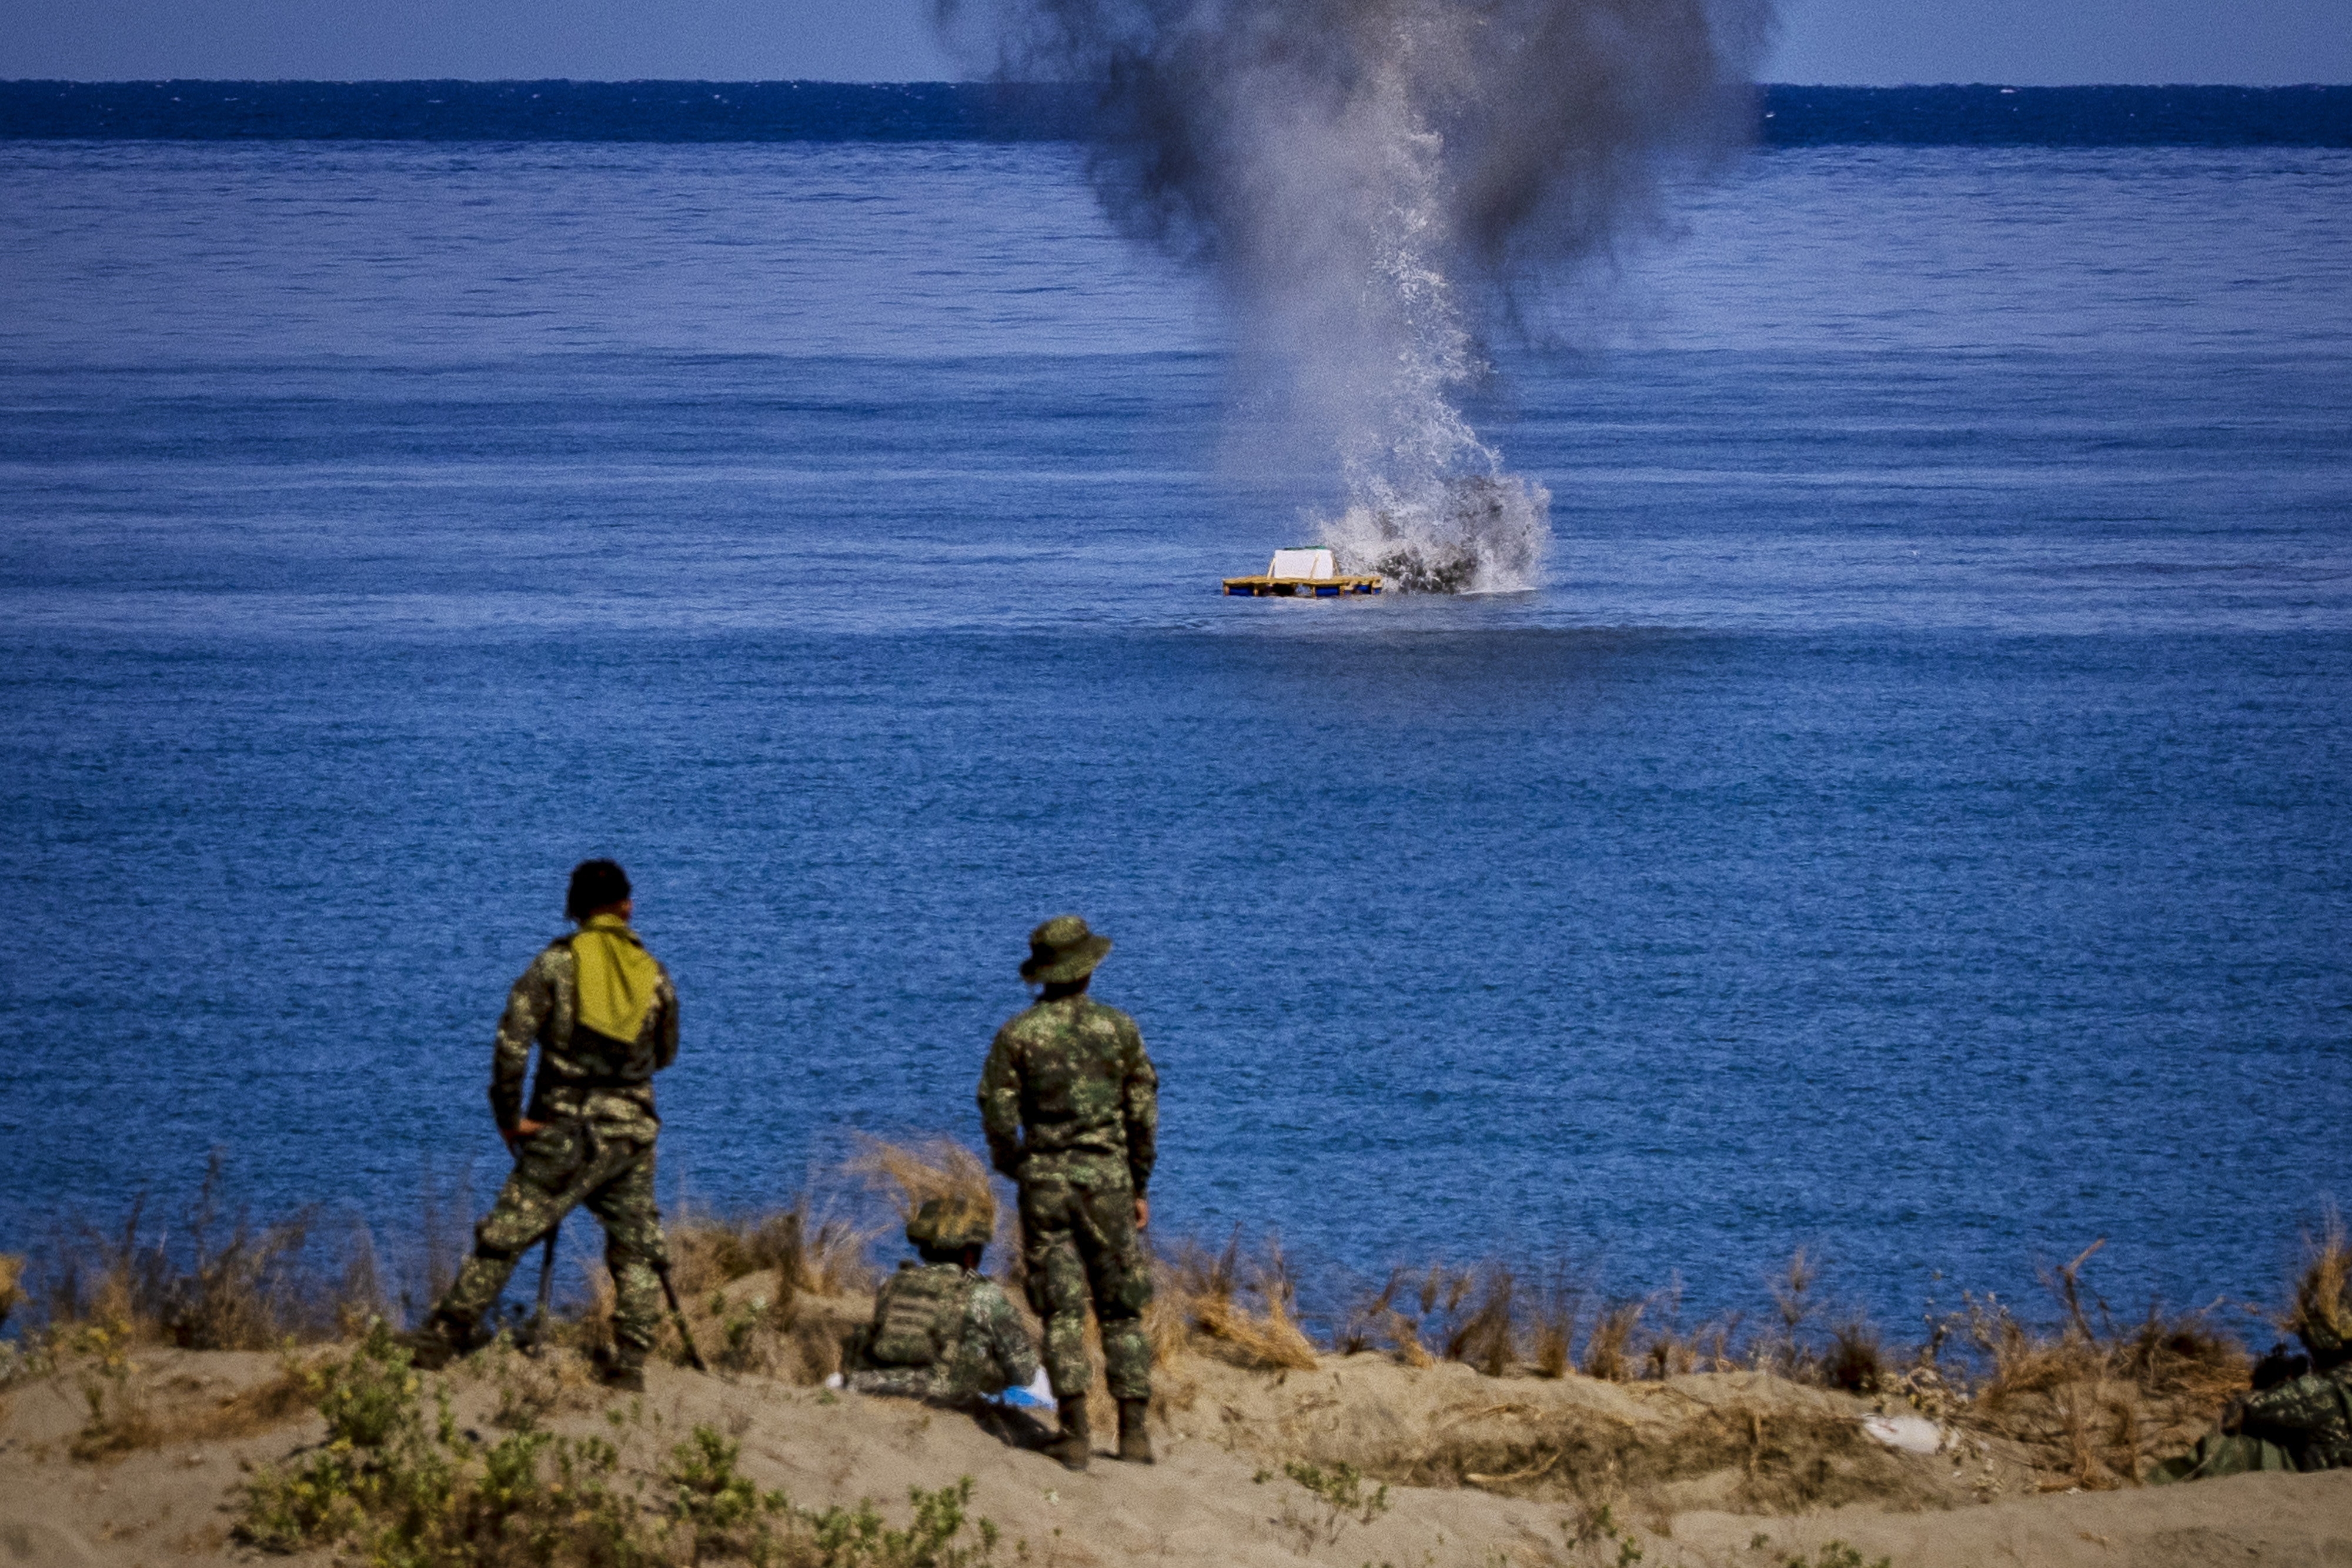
column 1911, row 815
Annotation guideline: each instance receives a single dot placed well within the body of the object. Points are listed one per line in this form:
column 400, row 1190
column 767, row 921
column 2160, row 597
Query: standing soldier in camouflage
column 604, row 1017
column 1071, row 1107
column 940, row 1332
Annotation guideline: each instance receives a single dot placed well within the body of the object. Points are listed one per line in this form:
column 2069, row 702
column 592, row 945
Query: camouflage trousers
column 1079, row 1246
column 569, row 1164
column 936, row 1384
column 2303, row 1424
column 2222, row 1454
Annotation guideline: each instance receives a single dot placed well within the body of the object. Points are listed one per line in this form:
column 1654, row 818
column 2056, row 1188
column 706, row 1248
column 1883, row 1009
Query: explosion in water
column 1369, row 180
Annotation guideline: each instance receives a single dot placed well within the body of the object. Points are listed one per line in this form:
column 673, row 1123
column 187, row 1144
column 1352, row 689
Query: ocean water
column 1910, row 821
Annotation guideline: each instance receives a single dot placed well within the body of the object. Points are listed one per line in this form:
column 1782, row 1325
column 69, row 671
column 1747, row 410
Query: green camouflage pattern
column 918, row 1317
column 2310, row 1417
column 595, row 1095
column 2220, row 1454
column 2303, row 1424
column 557, row 1169
column 582, row 1075
column 952, row 1224
column 1069, row 1092
column 1079, row 1247
column 985, row 1347
column 1070, row 1104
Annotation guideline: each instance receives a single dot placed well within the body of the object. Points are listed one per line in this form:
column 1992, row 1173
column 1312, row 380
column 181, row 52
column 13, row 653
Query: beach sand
column 1720, row 1469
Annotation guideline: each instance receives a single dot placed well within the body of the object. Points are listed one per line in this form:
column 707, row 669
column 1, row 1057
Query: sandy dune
column 1696, row 1470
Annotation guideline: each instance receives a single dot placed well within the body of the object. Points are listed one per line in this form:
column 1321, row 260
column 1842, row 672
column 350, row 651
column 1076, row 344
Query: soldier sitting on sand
column 2298, row 1415
column 940, row 1332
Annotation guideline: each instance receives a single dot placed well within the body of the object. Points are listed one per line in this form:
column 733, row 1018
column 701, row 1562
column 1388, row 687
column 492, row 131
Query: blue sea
column 1912, row 820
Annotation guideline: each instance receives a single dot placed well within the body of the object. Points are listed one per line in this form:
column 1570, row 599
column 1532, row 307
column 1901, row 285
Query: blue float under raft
column 1302, row 573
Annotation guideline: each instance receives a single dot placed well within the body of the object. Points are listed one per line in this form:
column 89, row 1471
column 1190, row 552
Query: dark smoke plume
column 1370, row 179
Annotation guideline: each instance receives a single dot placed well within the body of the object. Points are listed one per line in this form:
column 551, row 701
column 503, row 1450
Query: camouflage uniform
column 975, row 1340
column 1071, row 1075
column 596, row 1096
column 2302, row 1424
column 2310, row 1417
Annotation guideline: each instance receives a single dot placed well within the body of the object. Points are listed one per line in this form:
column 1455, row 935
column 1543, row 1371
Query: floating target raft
column 1302, row 573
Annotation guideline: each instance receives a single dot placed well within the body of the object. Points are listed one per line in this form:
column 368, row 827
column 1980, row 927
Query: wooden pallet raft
column 1306, row 572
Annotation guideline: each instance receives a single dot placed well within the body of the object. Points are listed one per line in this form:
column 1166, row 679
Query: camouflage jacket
column 1068, row 1092
column 984, row 1346
column 582, row 1074
column 2310, row 1417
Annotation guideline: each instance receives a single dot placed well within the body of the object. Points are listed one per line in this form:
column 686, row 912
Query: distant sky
column 2016, row 42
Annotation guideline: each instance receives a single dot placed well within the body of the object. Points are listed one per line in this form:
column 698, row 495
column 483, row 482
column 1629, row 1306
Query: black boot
column 1074, row 1445
column 621, row 1367
column 1134, row 1439
column 437, row 1342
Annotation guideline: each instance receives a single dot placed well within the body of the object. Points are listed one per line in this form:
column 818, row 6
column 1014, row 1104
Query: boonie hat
column 952, row 1224
column 1062, row 950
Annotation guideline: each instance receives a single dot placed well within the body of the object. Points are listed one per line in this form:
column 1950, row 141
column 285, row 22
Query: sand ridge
column 1694, row 1469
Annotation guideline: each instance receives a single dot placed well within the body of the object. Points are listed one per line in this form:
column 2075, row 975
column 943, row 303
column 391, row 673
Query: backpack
column 919, row 1320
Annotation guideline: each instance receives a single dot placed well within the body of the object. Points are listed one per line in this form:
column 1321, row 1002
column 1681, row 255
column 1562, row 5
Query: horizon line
column 921, row 81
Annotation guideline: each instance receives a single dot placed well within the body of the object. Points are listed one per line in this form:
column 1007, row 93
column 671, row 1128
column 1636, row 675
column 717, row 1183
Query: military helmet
column 953, row 1224
column 1063, row 950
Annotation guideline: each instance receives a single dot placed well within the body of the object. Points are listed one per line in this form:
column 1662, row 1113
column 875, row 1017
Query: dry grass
column 1487, row 1316
column 120, row 1423
column 1484, row 1334
column 445, row 1237
column 2323, row 1295
column 1773, row 1456
column 1665, row 1348
column 1491, row 1317
column 823, row 1256
column 771, row 1292
column 1855, row 1360
column 250, row 1410
column 1608, row 1349
column 914, row 1174
column 1376, row 1322
column 220, row 1283
column 2093, row 1402
column 1201, row 1301
column 124, row 1417
column 1552, row 1312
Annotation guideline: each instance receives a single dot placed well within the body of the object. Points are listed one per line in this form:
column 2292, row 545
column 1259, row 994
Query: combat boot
column 1076, row 1444
column 1134, row 1437
column 621, row 1367
column 437, row 1342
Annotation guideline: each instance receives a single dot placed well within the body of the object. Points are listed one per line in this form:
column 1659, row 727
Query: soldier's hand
column 523, row 1129
column 1142, row 1213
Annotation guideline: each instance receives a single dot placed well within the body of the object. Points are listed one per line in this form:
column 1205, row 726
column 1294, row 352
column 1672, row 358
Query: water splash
column 1373, row 183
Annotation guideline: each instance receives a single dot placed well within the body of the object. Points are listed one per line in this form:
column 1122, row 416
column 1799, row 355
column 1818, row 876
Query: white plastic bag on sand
column 1912, row 1434
column 1037, row 1396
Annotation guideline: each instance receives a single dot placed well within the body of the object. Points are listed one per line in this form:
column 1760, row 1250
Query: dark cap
column 595, row 885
